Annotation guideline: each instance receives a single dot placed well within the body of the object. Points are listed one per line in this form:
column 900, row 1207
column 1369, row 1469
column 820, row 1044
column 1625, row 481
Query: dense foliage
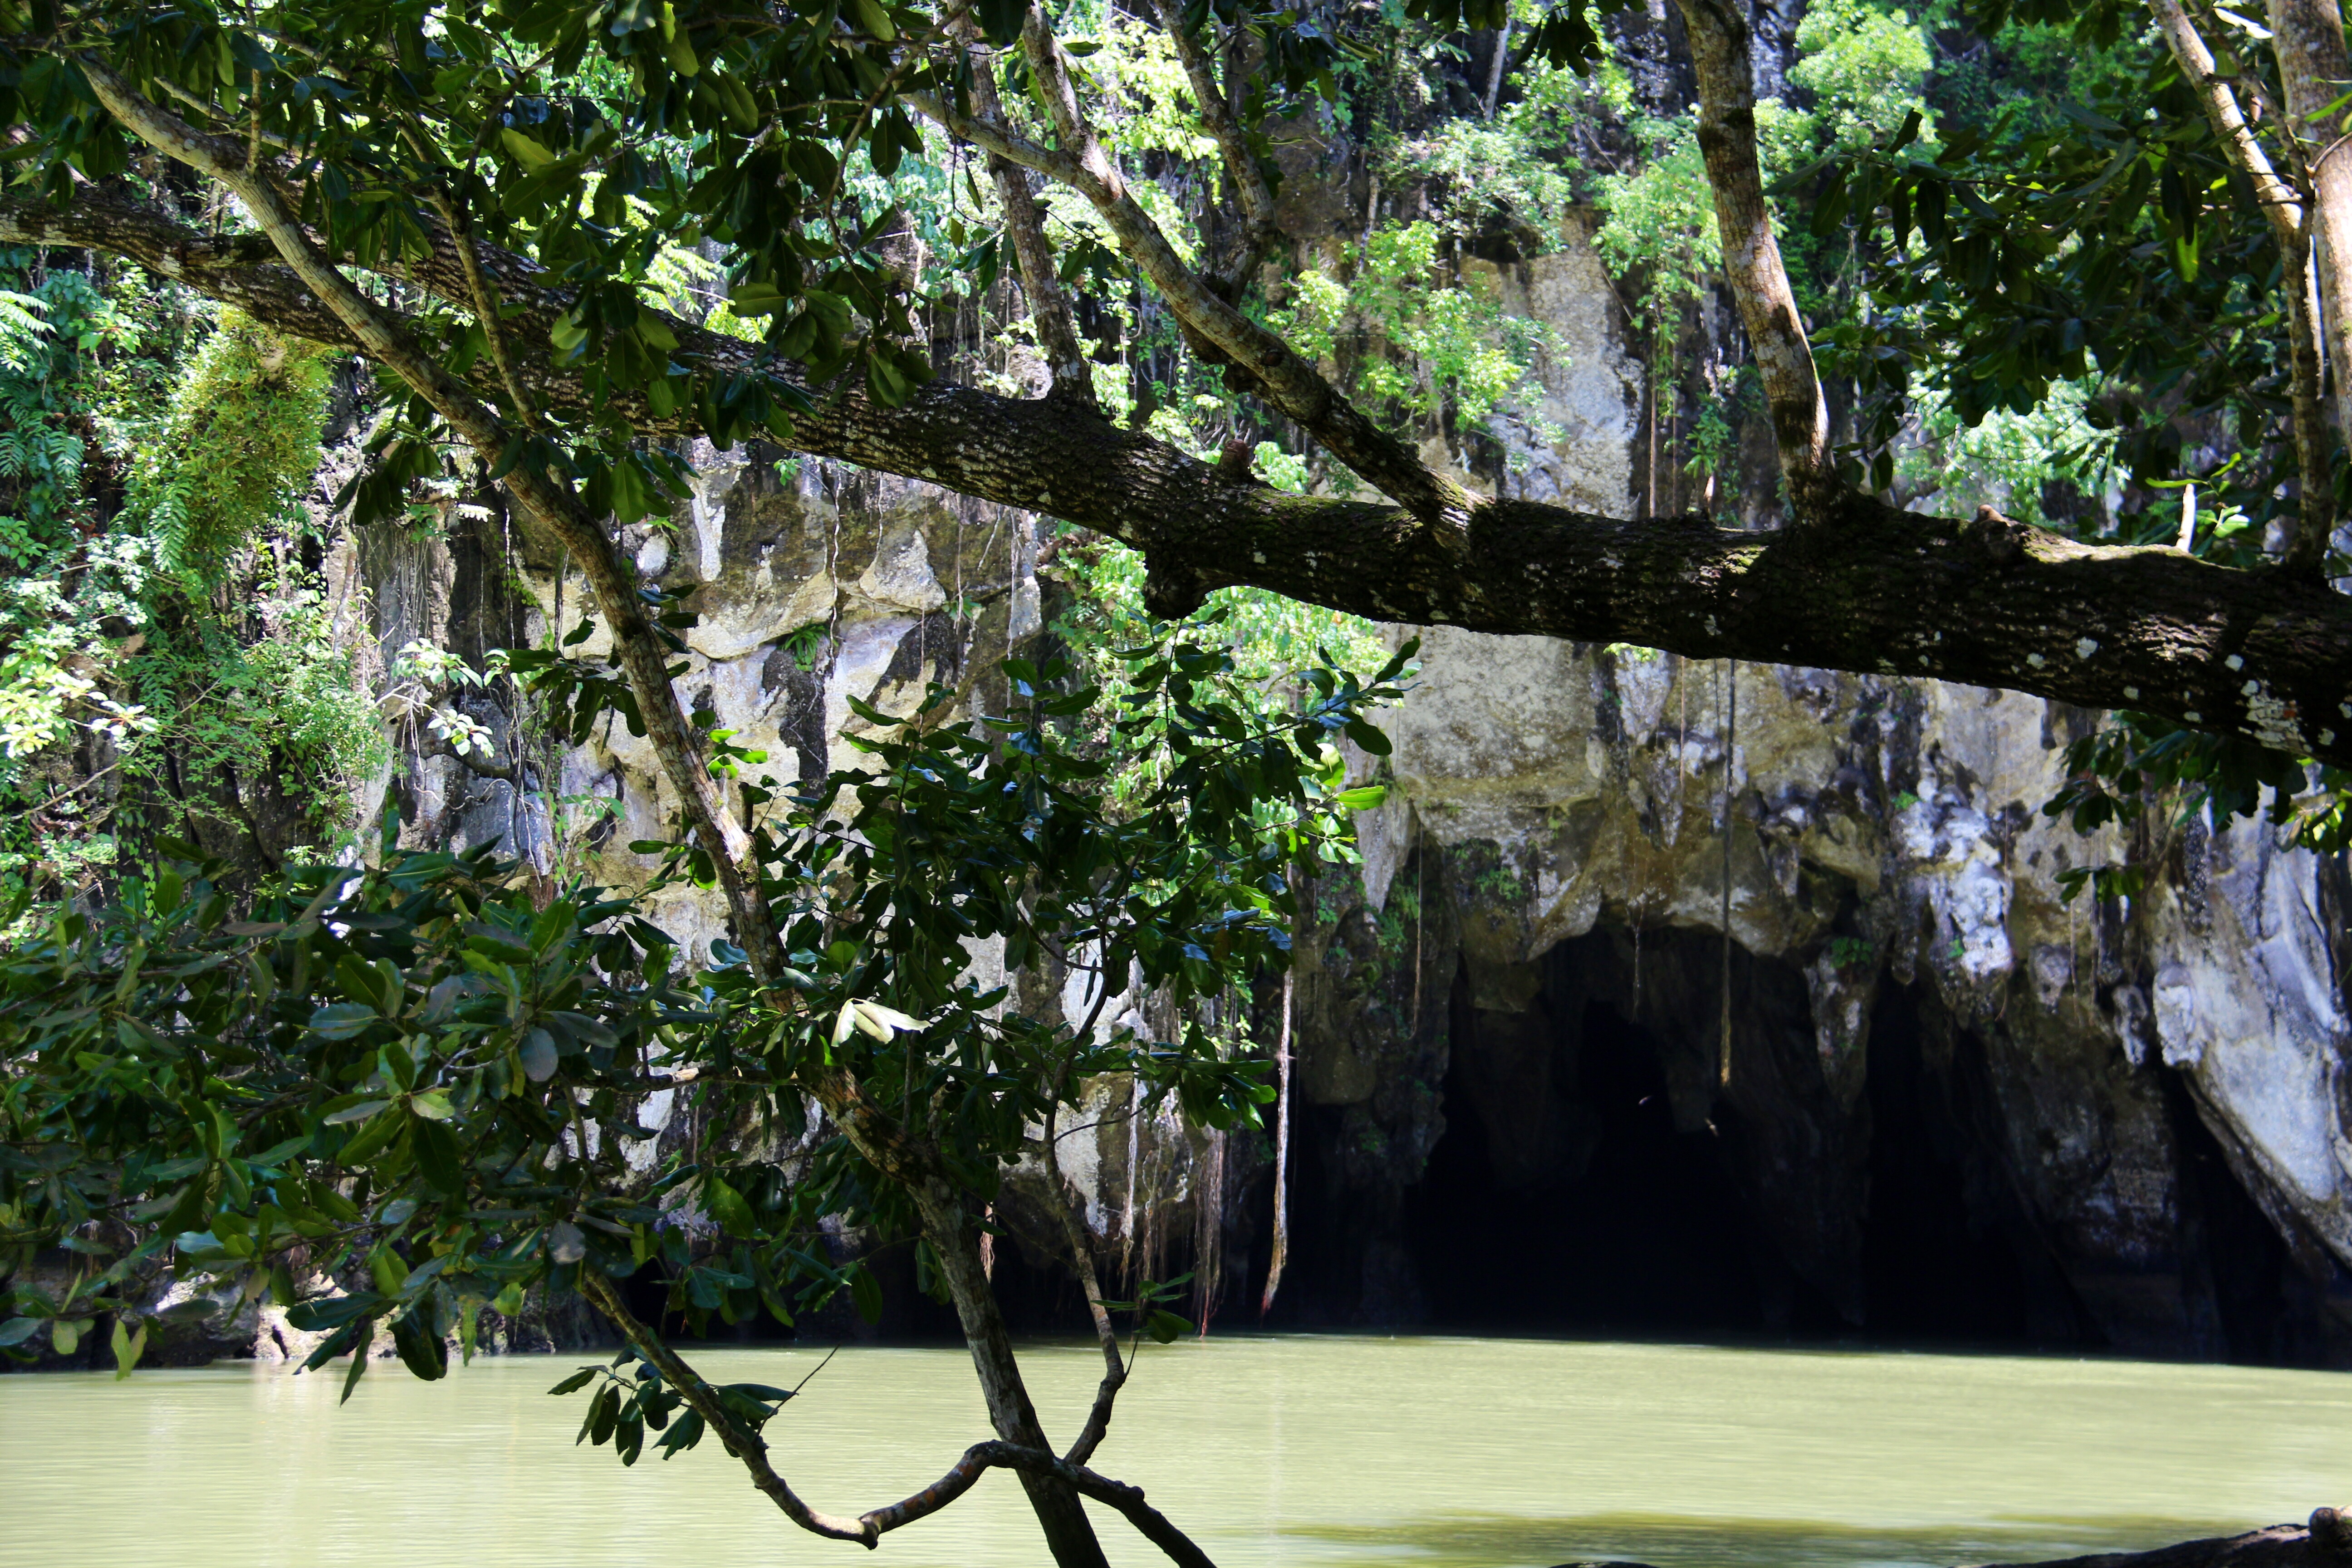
column 415, row 1074
column 593, row 232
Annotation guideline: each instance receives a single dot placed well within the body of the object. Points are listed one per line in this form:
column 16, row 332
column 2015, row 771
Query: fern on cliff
column 239, row 445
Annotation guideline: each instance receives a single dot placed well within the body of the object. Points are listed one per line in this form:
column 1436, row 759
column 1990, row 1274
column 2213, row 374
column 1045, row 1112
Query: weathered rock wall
column 1936, row 1097
column 1888, row 868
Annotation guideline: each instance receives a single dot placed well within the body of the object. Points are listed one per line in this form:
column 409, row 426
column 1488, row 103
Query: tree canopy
column 482, row 199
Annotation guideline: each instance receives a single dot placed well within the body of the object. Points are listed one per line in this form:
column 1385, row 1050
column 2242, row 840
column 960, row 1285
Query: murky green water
column 1446, row 1453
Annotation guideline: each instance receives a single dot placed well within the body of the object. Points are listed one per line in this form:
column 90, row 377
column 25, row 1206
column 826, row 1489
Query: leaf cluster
column 414, row 1082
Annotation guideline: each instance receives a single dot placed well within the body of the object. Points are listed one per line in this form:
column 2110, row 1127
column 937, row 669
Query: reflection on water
column 1430, row 1453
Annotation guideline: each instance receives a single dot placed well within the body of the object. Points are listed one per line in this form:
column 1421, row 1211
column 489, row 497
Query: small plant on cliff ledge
column 412, row 1077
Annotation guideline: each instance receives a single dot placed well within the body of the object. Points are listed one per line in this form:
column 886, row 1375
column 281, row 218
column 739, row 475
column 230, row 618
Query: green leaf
column 422, row 1349
column 1165, row 1326
column 362, row 1340
column 1363, row 798
column 16, row 1331
column 128, row 1348
column 866, row 1293
column 576, row 1381
column 528, row 153
column 684, row 1433
column 342, row 1020
column 605, row 1414
column 372, row 1138
column 438, row 1157
column 321, row 1313
column 727, row 1207
column 538, row 1056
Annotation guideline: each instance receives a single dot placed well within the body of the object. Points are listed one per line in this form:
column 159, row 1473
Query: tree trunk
column 2315, row 71
column 1751, row 255
column 1069, row 1533
column 2292, row 224
column 2323, row 1545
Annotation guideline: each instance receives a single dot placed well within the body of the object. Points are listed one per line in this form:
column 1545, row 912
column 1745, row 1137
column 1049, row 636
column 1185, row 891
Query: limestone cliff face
column 2131, row 1121
column 1559, row 810
column 2105, row 1089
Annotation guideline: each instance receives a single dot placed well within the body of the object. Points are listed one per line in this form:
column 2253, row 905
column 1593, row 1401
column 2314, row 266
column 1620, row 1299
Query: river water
column 1345, row 1452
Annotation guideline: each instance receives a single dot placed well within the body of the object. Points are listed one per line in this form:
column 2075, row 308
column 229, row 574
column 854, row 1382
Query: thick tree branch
column 546, row 499
column 2291, row 225
column 1751, row 255
column 1878, row 590
column 955, row 1241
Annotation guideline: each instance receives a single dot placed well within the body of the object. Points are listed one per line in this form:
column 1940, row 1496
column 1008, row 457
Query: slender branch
column 2281, row 204
column 1263, row 361
column 1063, row 1196
column 2291, row 223
column 544, row 499
column 1751, row 255
column 1049, row 308
column 485, row 307
column 702, row 1399
column 1284, row 1095
column 2307, row 39
column 1260, row 228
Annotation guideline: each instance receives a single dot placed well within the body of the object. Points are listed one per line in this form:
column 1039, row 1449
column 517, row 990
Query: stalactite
column 1731, row 762
column 1281, row 1133
column 1134, row 1173
column 1209, row 1229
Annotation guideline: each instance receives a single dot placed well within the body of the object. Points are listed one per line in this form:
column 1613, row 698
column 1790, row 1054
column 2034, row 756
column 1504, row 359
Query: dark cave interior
column 1570, row 1198
column 1568, row 1195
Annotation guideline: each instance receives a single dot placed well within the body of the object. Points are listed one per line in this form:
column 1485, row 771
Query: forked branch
column 1024, row 225
column 1259, row 227
column 1264, row 363
column 542, row 498
column 869, row 1527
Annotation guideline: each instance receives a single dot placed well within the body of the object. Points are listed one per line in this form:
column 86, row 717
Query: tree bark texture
column 1751, row 255
column 2315, row 71
column 946, row 1222
column 1870, row 588
column 2292, row 225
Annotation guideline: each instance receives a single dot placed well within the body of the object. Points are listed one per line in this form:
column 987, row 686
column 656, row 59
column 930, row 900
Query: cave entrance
column 1568, row 1195
column 1616, row 1223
